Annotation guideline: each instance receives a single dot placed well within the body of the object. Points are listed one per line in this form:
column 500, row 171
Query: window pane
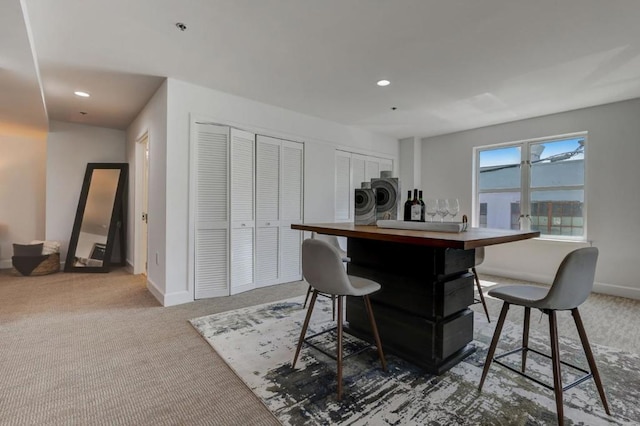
column 558, row 212
column 499, row 169
column 557, row 163
column 500, row 209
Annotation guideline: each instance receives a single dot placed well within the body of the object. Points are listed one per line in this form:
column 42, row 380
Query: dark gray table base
column 422, row 310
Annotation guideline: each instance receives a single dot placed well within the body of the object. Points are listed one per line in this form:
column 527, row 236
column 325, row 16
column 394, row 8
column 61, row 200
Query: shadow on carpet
column 258, row 343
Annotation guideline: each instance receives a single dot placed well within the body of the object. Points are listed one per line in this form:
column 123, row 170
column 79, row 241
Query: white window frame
column 525, row 187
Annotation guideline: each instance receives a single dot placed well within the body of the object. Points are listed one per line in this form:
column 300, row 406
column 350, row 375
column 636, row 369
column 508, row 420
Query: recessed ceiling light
column 383, row 83
column 81, row 94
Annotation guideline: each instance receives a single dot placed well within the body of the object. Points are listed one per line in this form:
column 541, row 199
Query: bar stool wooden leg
column 484, row 304
column 304, row 305
column 590, row 359
column 333, row 308
column 374, row 329
column 339, row 350
column 304, row 327
column 494, row 343
column 525, row 337
column 555, row 360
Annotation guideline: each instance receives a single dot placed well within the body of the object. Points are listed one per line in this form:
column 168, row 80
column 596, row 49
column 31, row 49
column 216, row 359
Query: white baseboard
column 602, row 288
column 242, row 288
column 170, row 299
column 129, row 267
column 177, row 298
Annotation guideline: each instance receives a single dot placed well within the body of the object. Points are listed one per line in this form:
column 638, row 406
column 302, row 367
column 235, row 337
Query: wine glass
column 430, row 208
column 443, row 208
column 454, row 207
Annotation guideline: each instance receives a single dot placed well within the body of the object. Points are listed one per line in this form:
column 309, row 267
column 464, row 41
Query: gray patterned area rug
column 259, row 342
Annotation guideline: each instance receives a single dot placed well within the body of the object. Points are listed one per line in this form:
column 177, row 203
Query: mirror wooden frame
column 116, row 235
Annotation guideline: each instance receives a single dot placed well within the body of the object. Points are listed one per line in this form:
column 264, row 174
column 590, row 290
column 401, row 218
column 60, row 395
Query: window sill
column 561, row 240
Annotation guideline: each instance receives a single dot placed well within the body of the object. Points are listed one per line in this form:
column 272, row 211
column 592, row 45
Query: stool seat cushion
column 362, row 286
column 523, row 295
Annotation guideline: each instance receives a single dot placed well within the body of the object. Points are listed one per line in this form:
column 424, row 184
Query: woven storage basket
column 49, row 264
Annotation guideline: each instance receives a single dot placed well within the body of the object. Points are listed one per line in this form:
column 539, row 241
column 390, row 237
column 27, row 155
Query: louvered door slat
column 357, row 171
column 290, row 258
column 372, row 169
column 267, row 249
column 211, row 243
column 268, row 179
column 211, row 263
column 343, row 186
column 291, row 200
column 242, row 175
column 241, row 259
column 212, row 175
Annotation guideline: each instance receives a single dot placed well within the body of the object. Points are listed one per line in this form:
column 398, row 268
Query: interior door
column 211, row 271
column 242, row 210
column 267, row 210
column 291, row 210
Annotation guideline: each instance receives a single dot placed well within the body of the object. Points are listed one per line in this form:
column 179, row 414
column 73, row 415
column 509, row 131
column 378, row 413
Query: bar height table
column 422, row 311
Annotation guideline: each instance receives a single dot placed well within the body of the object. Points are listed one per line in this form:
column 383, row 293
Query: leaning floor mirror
column 98, row 235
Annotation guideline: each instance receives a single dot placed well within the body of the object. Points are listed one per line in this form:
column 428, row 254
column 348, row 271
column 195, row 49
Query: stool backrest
column 479, row 256
column 331, row 239
column 322, row 267
column 574, row 280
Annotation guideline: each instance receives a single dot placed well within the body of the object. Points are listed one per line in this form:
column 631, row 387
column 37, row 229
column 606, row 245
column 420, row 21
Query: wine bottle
column 421, row 206
column 416, row 208
column 407, row 207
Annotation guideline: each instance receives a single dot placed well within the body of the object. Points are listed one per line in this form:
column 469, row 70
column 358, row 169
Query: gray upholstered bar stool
column 478, row 261
column 322, row 268
column 333, row 240
column 571, row 287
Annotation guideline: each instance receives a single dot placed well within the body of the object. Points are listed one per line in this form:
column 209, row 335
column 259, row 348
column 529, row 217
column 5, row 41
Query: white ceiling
column 453, row 65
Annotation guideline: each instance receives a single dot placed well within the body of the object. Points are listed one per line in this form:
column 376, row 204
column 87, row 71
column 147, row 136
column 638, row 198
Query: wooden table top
column 472, row 238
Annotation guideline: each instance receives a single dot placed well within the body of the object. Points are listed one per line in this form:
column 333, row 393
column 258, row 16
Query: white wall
column 69, row 148
column 152, row 120
column 612, row 177
column 22, row 183
column 321, row 137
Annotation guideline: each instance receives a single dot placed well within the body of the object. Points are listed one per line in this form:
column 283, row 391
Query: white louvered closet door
column 291, row 210
column 211, row 211
column 268, row 245
column 372, row 169
column 241, row 198
column 386, row 165
column 343, row 187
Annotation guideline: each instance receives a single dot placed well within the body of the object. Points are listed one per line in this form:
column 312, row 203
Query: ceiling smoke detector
column 181, row 26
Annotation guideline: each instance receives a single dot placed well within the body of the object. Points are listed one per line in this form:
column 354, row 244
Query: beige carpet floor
column 80, row 349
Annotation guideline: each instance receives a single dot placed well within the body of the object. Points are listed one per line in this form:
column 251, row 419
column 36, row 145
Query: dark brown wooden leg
column 339, row 350
column 304, row 305
column 590, row 359
column 484, row 304
column 555, row 361
column 374, row 330
column 525, row 337
column 304, row 327
column 333, row 308
column 494, row 343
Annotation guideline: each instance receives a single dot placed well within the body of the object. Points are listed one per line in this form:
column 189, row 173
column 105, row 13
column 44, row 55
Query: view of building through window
column 546, row 196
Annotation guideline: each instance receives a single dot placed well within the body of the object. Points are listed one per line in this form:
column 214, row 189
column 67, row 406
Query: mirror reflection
column 92, row 239
column 98, row 235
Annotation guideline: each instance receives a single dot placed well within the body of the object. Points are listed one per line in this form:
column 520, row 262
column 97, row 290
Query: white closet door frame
column 242, row 235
